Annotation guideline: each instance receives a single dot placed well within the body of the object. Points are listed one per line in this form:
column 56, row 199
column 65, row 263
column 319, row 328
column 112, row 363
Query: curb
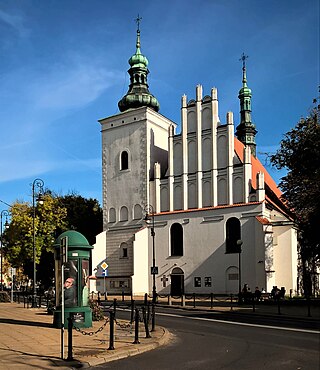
column 123, row 353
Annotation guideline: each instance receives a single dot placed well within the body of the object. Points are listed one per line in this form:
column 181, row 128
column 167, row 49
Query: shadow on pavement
column 27, row 323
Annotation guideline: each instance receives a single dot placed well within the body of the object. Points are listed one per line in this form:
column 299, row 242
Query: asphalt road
column 204, row 341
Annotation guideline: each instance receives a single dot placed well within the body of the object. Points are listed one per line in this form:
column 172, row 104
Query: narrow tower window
column 176, row 232
column 233, row 234
column 124, row 165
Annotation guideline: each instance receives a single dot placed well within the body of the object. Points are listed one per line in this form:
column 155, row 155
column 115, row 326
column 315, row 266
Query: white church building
column 216, row 221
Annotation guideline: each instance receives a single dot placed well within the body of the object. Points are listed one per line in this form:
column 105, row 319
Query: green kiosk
column 75, row 285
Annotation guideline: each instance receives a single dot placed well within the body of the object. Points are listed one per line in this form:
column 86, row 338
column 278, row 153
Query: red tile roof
column 257, row 167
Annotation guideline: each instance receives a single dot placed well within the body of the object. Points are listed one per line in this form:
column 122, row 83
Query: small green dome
column 75, row 239
column 245, row 91
column 138, row 60
column 138, row 94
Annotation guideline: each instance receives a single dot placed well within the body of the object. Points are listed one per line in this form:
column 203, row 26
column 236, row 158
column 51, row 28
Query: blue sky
column 64, row 65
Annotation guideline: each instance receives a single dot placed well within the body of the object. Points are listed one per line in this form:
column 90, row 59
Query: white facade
column 196, row 181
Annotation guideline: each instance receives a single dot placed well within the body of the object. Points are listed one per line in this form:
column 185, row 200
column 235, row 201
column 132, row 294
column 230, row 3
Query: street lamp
column 239, row 244
column 5, row 214
column 36, row 196
column 154, row 270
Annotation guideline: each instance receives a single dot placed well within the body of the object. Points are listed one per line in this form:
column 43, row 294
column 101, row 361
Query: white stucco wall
column 141, row 269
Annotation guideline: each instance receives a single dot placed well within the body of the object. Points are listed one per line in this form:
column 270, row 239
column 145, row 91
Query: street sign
column 105, row 273
column 104, row 265
column 154, row 270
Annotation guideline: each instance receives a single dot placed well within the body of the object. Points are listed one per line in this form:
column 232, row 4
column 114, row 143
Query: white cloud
column 20, row 168
column 71, row 86
column 15, row 21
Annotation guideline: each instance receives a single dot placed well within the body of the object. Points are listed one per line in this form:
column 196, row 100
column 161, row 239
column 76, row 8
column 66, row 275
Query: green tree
column 299, row 154
column 18, row 238
column 83, row 215
column 56, row 215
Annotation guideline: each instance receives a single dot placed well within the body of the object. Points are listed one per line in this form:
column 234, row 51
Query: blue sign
column 105, row 272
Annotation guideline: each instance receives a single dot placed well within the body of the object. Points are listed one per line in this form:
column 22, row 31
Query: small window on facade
column 207, row 281
column 123, row 250
column 124, row 160
column 112, row 215
column 176, row 240
column 197, row 282
column 233, row 234
column 123, row 213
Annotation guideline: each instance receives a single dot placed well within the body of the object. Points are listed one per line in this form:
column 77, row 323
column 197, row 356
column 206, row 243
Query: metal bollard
column 122, row 296
column 136, row 327
column 99, row 299
column 231, row 302
column 111, row 339
column 194, row 300
column 132, row 310
column 169, row 300
column 278, row 303
column 70, row 326
column 253, row 305
column 145, row 299
column 115, row 306
column 309, row 306
column 153, row 322
column 183, row 300
column 145, row 320
column 211, row 300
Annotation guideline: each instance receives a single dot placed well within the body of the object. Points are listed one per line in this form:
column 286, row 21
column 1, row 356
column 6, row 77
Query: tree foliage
column 83, row 215
column 45, row 218
column 299, row 153
column 56, row 215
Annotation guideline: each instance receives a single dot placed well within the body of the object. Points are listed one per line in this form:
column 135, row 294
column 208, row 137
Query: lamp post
column 36, row 196
column 150, row 214
column 5, row 214
column 239, row 244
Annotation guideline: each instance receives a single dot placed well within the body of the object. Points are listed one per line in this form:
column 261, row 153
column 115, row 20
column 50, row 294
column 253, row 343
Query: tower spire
column 138, row 94
column 246, row 130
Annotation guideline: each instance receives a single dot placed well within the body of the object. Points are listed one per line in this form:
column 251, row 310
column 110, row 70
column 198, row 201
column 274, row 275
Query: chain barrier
column 123, row 325
column 90, row 333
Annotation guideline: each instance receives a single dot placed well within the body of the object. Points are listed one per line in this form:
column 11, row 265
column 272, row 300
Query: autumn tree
column 18, row 238
column 56, row 215
column 299, row 154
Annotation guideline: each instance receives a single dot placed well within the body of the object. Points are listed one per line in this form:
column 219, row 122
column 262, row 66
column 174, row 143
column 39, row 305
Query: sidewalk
column 29, row 341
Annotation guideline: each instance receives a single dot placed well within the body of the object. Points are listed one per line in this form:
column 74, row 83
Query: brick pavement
column 28, row 340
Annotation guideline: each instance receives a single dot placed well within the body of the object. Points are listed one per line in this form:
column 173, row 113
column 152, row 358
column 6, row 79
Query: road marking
column 240, row 323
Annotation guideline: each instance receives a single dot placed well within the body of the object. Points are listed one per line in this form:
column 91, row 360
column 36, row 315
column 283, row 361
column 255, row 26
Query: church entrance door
column 177, row 282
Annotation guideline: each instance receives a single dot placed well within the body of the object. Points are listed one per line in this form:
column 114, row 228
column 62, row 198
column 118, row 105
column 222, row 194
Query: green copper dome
column 138, row 94
column 246, row 130
column 137, row 59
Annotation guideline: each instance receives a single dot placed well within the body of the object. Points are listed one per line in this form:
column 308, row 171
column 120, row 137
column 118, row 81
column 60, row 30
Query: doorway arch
column 177, row 282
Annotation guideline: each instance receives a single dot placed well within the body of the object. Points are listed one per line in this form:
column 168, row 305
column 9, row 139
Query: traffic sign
column 154, row 270
column 104, row 265
column 105, row 273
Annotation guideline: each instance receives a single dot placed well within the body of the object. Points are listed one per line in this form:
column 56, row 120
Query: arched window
column 233, row 234
column 112, row 215
column 176, row 234
column 124, row 250
column 124, row 214
column 137, row 212
column 124, row 165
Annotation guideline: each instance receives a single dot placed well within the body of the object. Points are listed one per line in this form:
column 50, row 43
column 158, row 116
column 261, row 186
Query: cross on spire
column 243, row 58
column 138, row 20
